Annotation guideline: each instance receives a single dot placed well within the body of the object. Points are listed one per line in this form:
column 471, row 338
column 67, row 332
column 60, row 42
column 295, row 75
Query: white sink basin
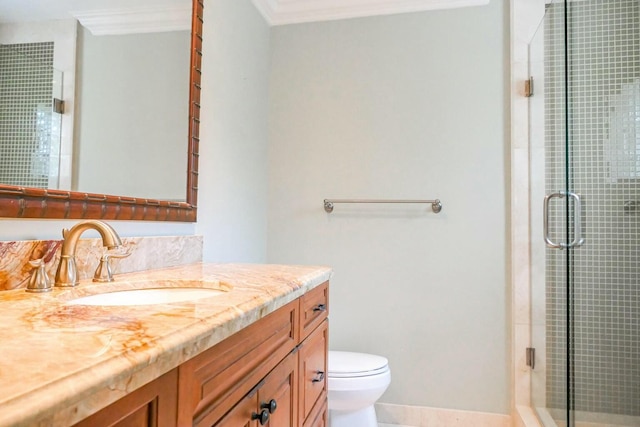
column 147, row 296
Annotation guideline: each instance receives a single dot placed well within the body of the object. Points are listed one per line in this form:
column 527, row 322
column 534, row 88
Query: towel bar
column 436, row 205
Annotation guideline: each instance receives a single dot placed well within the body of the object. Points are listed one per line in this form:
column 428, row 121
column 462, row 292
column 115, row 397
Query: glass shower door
column 555, row 220
column 603, row 53
column 585, row 163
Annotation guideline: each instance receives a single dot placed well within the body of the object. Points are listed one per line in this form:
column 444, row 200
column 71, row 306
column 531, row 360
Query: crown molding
column 281, row 12
column 136, row 20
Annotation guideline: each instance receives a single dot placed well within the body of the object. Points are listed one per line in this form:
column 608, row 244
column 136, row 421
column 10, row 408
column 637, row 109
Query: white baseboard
column 420, row 416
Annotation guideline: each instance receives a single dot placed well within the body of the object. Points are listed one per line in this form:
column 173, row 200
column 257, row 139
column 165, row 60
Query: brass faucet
column 67, row 275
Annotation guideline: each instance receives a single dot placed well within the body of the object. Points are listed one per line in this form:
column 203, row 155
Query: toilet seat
column 355, row 381
column 346, row 364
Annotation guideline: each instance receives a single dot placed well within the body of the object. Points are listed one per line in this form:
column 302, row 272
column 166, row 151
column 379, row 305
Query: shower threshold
column 550, row 417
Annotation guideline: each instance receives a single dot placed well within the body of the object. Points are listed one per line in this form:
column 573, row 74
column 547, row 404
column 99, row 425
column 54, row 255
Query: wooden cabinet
column 277, row 395
column 312, row 359
column 153, row 405
column 312, row 370
column 319, row 417
column 212, row 382
column 281, row 358
column 271, row 373
column 314, row 306
column 241, row 414
column 272, row 403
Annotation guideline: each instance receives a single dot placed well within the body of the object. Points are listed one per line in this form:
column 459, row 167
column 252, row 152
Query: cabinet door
column 318, row 418
column 273, row 403
column 241, row 415
column 212, row 382
column 313, row 368
column 153, row 405
column 278, row 394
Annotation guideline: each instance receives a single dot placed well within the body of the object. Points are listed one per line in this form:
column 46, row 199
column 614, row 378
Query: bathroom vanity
column 255, row 353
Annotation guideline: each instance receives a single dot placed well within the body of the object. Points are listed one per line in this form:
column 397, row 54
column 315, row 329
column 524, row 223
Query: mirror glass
column 122, row 69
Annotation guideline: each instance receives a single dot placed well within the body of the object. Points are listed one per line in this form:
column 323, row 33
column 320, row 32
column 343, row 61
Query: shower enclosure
column 30, row 128
column 585, row 176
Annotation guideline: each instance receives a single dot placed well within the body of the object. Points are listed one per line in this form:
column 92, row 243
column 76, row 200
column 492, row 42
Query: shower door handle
column 578, row 240
column 545, row 219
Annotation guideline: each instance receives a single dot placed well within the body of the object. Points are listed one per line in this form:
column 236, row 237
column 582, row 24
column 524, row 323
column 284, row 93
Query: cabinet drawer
column 153, row 405
column 314, row 308
column 210, row 383
column 312, row 370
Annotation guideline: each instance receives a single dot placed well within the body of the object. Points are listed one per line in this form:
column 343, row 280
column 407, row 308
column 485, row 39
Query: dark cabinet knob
column 320, row 307
column 262, row 417
column 319, row 377
column 270, row 406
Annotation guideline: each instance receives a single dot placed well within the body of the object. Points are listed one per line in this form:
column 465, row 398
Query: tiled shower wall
column 604, row 167
column 26, row 91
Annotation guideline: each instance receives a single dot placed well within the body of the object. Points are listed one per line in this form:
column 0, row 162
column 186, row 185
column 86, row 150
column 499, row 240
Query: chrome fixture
column 58, row 106
column 436, row 205
column 67, row 275
column 578, row 240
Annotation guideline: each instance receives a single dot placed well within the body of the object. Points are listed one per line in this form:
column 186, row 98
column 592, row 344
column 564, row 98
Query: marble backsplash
column 146, row 253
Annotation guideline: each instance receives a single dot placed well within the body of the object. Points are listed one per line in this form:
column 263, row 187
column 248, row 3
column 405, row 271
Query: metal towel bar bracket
column 436, row 205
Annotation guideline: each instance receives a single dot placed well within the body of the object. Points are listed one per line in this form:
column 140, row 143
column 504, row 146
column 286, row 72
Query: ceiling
column 280, row 12
column 276, row 12
column 42, row 10
column 104, row 16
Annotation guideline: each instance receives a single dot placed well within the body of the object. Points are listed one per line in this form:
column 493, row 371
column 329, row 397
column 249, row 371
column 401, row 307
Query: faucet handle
column 38, row 281
column 103, row 272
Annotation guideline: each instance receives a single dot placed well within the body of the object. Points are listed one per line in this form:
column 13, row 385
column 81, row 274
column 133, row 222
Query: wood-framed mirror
column 43, row 203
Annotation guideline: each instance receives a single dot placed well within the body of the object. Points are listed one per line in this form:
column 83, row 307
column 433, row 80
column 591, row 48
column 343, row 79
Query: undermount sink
column 149, row 296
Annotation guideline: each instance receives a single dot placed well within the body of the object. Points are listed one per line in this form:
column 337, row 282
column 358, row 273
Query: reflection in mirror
column 29, row 128
column 131, row 114
column 130, row 100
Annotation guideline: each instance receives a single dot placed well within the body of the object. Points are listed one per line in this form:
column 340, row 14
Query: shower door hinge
column 528, row 87
column 58, row 106
column 531, row 357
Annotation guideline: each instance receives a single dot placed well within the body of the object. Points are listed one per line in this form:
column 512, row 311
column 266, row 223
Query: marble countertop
column 61, row 363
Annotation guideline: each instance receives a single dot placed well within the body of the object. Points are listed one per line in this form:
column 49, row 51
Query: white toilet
column 355, row 382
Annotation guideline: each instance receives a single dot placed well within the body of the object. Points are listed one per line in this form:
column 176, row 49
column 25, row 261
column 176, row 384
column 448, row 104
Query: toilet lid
column 348, row 364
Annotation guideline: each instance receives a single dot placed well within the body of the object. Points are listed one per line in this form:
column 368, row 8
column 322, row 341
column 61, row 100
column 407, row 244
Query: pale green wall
column 131, row 104
column 401, row 106
column 404, row 106
column 233, row 172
